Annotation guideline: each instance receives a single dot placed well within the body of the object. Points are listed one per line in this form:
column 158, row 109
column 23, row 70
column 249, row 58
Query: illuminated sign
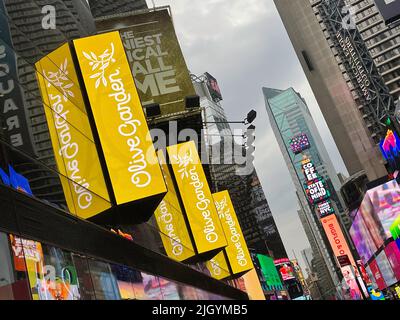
column 120, row 121
column 325, row 208
column 390, row 147
column 171, row 222
column 337, row 239
column 71, row 136
column 309, row 171
column 218, row 267
column 196, row 197
column 237, row 252
column 271, row 276
column 299, row 143
column 285, row 268
column 317, row 191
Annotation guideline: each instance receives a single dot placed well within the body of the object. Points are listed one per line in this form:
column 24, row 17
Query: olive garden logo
column 59, row 99
column 129, row 125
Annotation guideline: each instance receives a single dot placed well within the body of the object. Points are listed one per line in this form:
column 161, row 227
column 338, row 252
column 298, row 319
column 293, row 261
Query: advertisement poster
column 285, row 269
column 376, row 272
column 155, row 57
column 362, row 239
column 393, row 255
column 350, row 280
column 385, row 201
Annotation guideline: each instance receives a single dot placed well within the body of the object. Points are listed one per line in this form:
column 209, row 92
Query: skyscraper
column 247, row 194
column 330, row 83
column 290, row 116
column 31, row 41
column 101, row 8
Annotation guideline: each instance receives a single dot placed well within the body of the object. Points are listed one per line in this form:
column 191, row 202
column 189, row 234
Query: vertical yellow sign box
column 171, row 221
column 71, row 136
column 121, row 124
column 196, row 197
column 218, row 267
column 237, row 252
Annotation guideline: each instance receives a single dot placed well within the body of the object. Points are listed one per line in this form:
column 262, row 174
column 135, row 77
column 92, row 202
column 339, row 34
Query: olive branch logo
column 221, row 205
column 99, row 64
column 59, row 79
column 183, row 163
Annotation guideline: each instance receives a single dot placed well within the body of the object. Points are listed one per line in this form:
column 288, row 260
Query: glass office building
column 289, row 116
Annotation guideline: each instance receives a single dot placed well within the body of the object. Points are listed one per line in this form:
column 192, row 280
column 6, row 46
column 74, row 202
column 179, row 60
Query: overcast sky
column 244, row 45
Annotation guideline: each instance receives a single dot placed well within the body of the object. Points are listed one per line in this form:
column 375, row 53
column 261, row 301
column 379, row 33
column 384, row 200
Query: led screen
column 385, row 201
column 386, row 269
column 299, row 143
column 371, row 221
column 285, row 269
column 393, row 256
column 362, row 239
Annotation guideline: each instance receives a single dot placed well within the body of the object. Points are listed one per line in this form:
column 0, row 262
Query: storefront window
column 14, row 283
column 104, row 282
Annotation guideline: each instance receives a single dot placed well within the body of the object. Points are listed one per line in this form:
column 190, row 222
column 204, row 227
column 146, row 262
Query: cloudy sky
column 245, row 46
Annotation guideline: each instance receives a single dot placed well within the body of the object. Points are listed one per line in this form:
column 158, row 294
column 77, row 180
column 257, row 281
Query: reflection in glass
column 13, row 278
column 104, row 282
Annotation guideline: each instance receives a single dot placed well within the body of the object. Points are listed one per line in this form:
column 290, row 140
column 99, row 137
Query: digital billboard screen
column 317, row 191
column 386, row 269
column 390, row 10
column 299, row 143
column 385, row 201
column 393, row 255
column 362, row 239
column 372, row 223
column 285, row 269
column 325, row 208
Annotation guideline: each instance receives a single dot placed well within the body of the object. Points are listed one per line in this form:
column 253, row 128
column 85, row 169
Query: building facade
column 290, row 116
column 331, row 86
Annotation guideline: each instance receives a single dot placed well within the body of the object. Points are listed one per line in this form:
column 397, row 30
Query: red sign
column 377, row 275
column 393, row 255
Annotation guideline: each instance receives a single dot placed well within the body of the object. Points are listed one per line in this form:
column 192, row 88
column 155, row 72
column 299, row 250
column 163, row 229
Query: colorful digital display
column 269, row 272
column 390, row 146
column 309, row 171
column 393, row 255
column 376, row 272
column 371, row 221
column 385, row 269
column 317, row 191
column 285, row 269
column 325, row 208
column 385, row 201
column 118, row 114
column 337, row 239
column 299, row 143
column 362, row 239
